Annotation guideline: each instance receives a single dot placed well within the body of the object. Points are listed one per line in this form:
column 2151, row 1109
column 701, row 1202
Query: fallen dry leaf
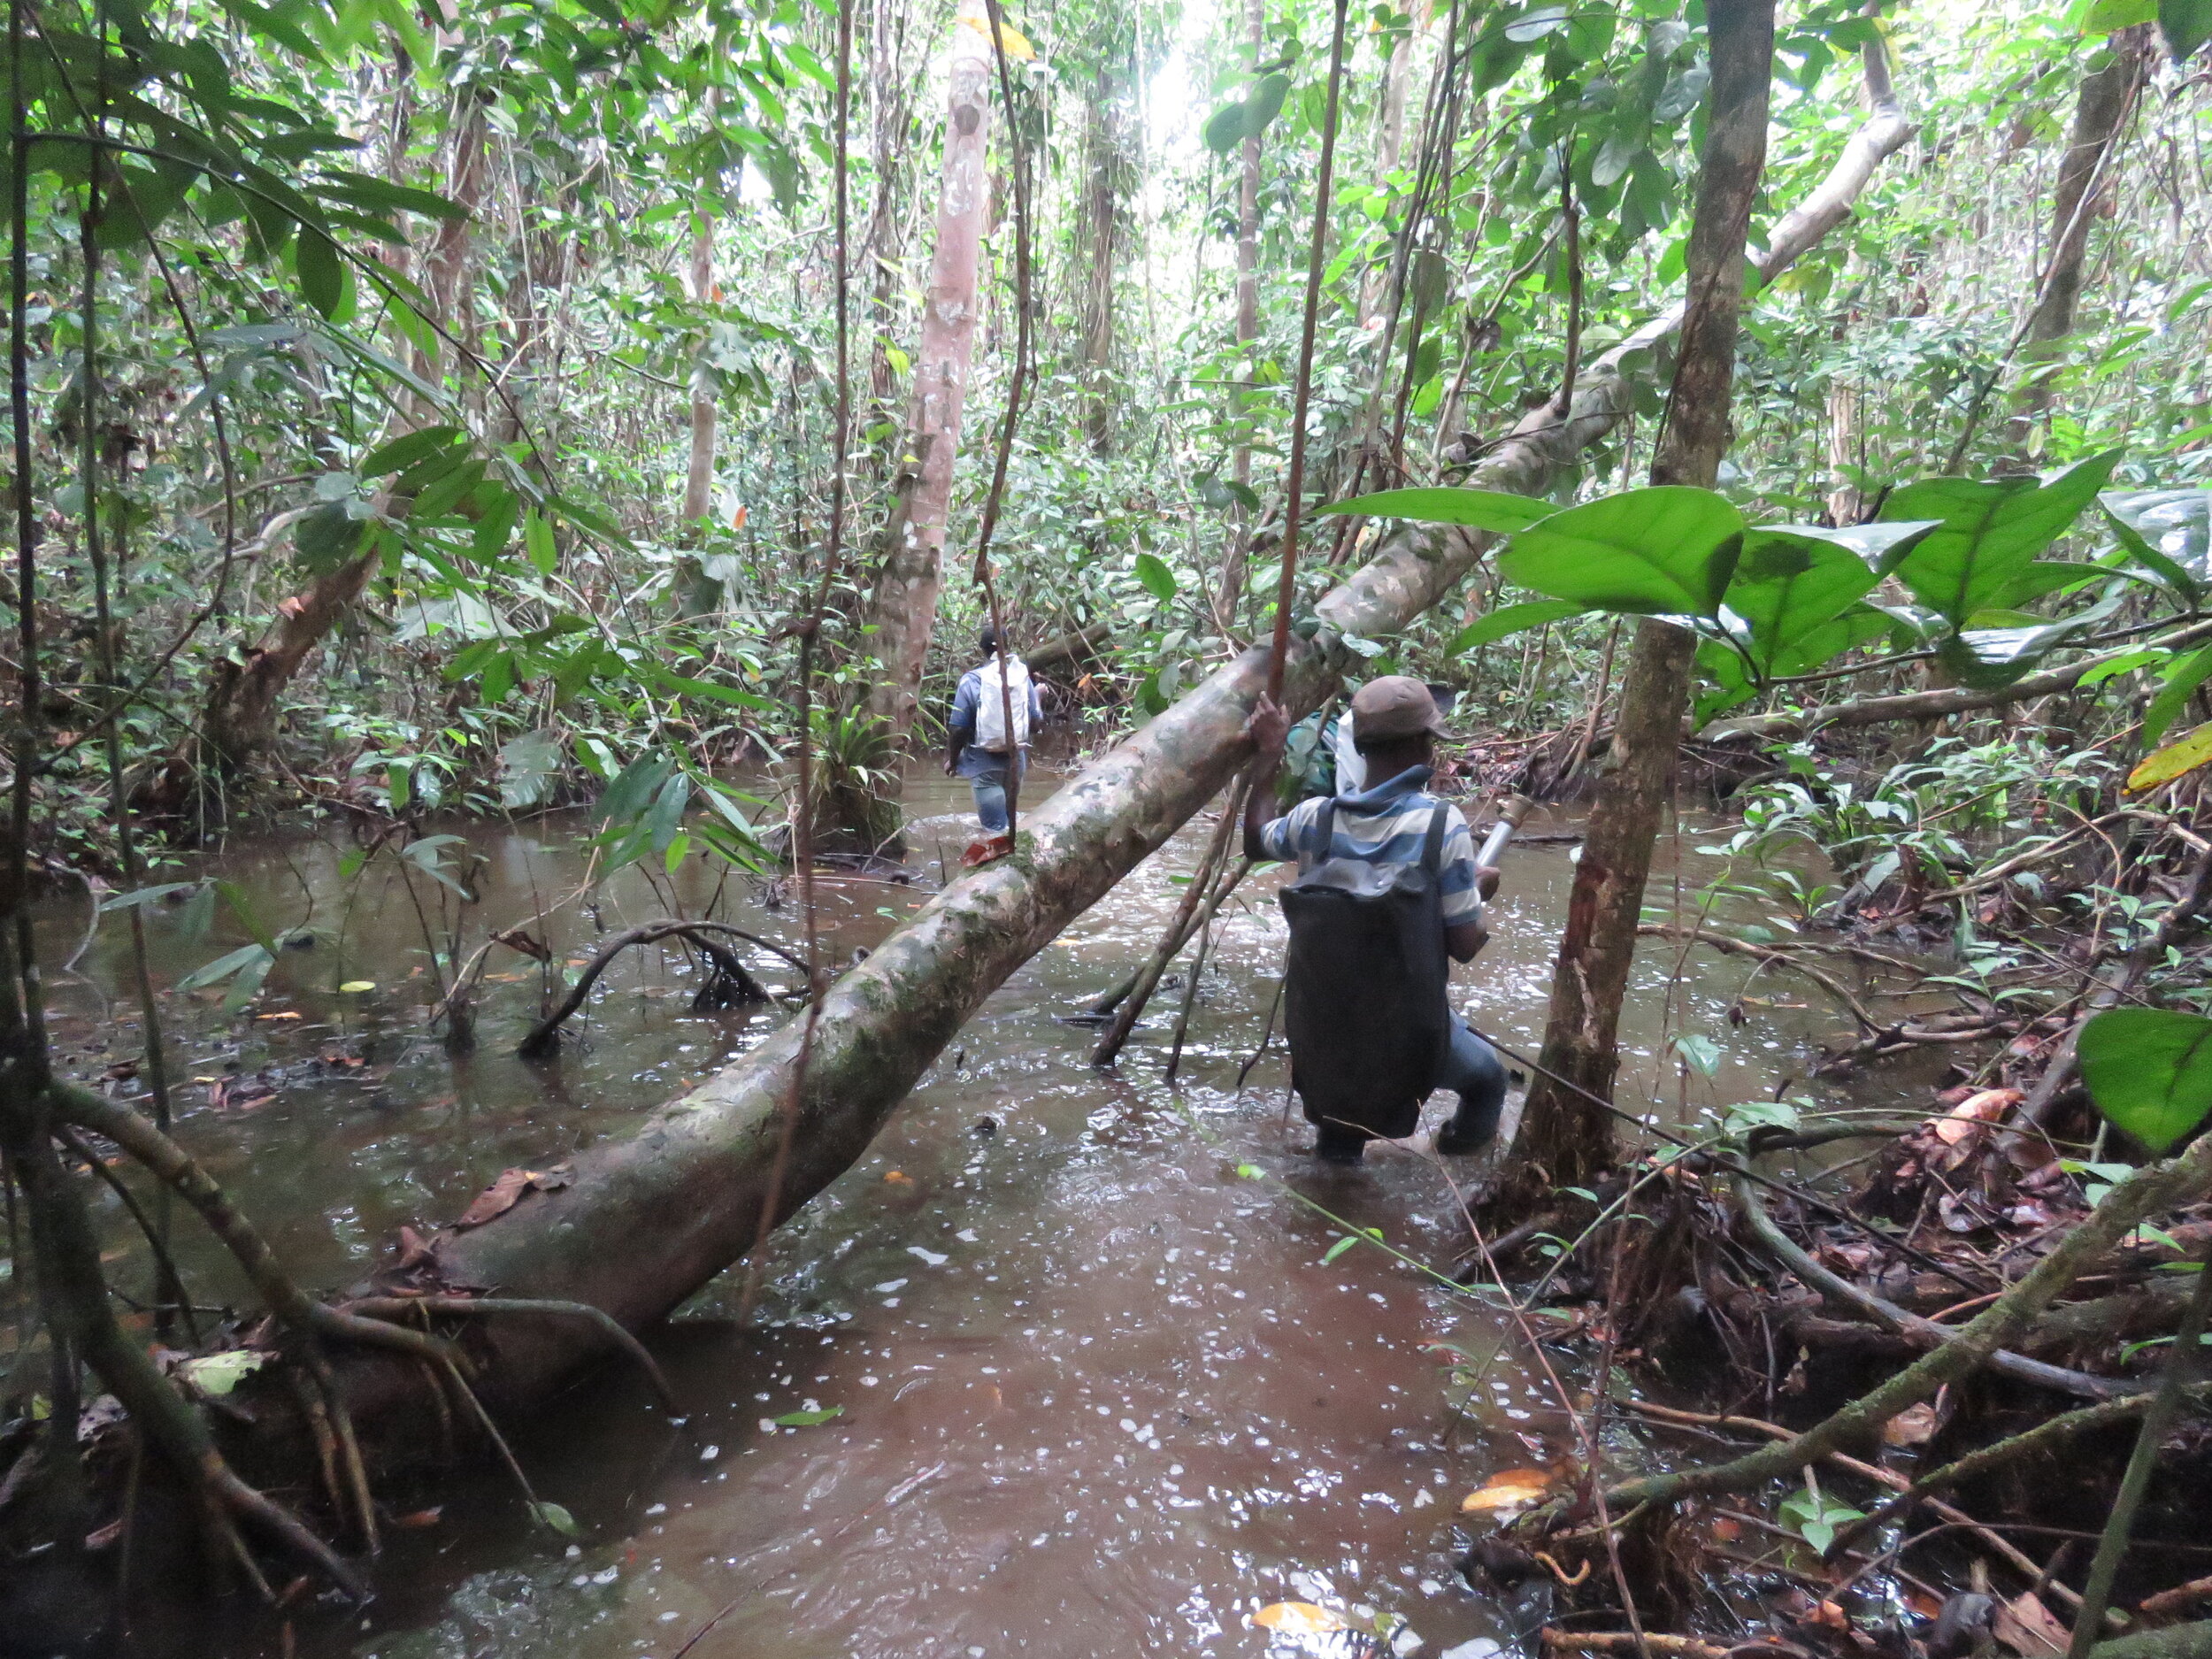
column 1914, row 1426
column 1298, row 1619
column 501, row 1196
column 1510, row 1489
column 1988, row 1106
column 2029, row 1628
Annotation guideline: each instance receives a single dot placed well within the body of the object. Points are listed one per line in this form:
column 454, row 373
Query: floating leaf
column 219, row 1373
column 808, row 1419
column 2178, row 759
column 1299, row 1618
column 356, row 987
column 1669, row 549
column 1484, row 509
column 2150, row 1071
column 555, row 1518
column 1510, row 1489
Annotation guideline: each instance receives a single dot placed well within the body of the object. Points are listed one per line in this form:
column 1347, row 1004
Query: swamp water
column 1095, row 1392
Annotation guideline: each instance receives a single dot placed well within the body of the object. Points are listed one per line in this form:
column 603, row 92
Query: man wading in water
column 978, row 746
column 1387, row 887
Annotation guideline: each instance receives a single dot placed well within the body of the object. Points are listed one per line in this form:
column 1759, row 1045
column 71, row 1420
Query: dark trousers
column 1472, row 1069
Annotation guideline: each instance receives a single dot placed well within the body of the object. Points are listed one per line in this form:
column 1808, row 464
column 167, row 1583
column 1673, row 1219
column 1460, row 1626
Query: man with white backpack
column 979, row 747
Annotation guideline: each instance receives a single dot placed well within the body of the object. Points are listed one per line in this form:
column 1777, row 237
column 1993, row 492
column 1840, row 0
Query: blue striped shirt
column 1386, row 825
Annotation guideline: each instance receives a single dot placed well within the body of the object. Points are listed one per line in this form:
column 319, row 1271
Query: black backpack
column 1363, row 1004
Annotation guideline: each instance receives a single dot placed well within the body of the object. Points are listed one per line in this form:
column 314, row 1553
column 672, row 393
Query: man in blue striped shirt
column 1395, row 727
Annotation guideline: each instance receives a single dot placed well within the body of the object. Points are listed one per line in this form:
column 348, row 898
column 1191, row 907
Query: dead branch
column 398, row 1308
column 2149, row 1191
column 1921, row 1333
column 545, row 1035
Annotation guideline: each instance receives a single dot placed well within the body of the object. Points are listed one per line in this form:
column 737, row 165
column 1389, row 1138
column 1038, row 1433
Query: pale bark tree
column 1566, row 1135
column 911, row 572
column 2085, row 178
column 1105, row 174
column 699, row 474
column 1248, row 314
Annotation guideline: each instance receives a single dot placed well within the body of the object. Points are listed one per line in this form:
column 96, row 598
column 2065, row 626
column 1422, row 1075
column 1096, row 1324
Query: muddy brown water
column 1096, row 1392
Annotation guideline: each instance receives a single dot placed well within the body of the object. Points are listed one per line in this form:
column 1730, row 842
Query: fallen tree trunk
column 646, row 1220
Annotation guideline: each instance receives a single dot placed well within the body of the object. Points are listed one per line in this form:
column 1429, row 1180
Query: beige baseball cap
column 1395, row 705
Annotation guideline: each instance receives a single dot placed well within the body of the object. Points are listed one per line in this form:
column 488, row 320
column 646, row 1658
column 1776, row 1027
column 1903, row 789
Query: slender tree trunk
column 2107, row 93
column 912, row 570
column 699, row 476
column 1390, row 137
column 696, row 595
column 887, row 95
column 1566, row 1137
column 1248, row 319
column 1104, row 177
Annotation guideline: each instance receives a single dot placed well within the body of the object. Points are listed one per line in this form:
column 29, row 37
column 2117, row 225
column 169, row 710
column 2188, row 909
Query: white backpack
column 991, row 710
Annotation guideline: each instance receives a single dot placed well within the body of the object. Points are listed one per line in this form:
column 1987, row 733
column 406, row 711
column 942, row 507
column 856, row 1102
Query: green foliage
column 1669, row 549
column 2150, row 1071
column 1982, row 555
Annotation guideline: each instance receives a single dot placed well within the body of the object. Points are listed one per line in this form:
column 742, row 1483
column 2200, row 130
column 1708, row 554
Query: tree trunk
column 242, row 692
column 887, row 97
column 683, row 1195
column 912, row 571
column 1248, row 323
column 699, row 476
column 2107, row 93
column 1104, row 177
column 1390, row 138
column 696, row 595
column 1566, row 1136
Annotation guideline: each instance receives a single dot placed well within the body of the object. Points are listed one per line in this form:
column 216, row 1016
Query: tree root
column 2051, row 1432
column 545, row 1036
column 138, row 1136
column 1895, row 1482
column 2149, row 1191
column 164, row 1264
column 398, row 1307
column 1921, row 1333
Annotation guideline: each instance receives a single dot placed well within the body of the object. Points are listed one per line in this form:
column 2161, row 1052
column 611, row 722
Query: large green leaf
column 2192, row 749
column 1989, row 531
column 1666, row 550
column 2186, row 24
column 1484, row 509
column 2168, row 532
column 2150, row 1071
column 1509, row 619
column 2181, row 679
column 1791, row 580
